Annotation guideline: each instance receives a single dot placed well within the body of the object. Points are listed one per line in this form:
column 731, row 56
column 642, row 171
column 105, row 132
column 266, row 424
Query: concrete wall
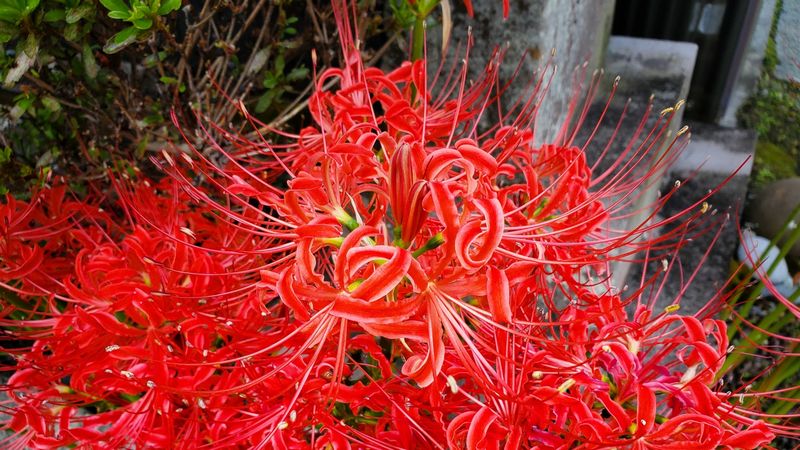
column 577, row 29
column 750, row 70
column 787, row 41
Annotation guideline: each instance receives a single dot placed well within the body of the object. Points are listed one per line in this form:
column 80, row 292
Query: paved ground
column 663, row 69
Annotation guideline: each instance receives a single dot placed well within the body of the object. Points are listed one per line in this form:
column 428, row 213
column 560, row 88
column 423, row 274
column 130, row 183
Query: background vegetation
column 83, row 80
column 774, row 112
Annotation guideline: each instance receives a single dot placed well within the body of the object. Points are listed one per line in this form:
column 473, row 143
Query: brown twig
column 50, row 90
column 288, row 114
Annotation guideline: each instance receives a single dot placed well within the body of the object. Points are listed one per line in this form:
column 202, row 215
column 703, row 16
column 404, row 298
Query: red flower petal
column 497, row 294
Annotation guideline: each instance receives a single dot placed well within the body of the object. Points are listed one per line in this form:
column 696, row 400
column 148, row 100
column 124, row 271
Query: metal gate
column 720, row 28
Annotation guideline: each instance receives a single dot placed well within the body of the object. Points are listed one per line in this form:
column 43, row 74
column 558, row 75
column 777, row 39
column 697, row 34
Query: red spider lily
column 468, row 5
column 615, row 363
column 39, row 238
column 422, row 280
column 506, row 8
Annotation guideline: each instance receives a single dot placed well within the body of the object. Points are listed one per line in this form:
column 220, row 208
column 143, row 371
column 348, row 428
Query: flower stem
column 418, row 43
column 433, row 242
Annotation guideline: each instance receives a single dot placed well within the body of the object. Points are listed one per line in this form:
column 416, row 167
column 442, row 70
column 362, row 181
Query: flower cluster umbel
column 412, row 271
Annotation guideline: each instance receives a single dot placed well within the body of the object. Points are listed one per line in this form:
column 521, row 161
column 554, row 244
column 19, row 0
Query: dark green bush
column 85, row 80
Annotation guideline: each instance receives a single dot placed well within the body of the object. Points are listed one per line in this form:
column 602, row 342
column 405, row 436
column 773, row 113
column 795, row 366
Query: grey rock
column 755, row 252
column 772, row 207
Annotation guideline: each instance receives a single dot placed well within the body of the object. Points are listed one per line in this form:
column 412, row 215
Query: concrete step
column 663, row 69
column 713, row 155
column 651, row 72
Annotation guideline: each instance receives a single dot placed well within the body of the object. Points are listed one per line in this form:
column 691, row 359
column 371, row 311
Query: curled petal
column 480, row 428
column 321, row 227
column 351, row 241
column 445, row 207
column 374, row 312
column 595, row 430
column 497, row 294
column 239, row 186
column 690, row 431
column 285, row 290
column 406, row 190
column 409, row 329
column 617, row 412
column 493, row 214
column 351, row 149
column 645, row 410
column 756, row 436
column 627, row 360
column 439, row 162
column 29, row 260
column 455, row 430
column 479, row 157
column 307, row 263
column 424, row 370
column 386, row 277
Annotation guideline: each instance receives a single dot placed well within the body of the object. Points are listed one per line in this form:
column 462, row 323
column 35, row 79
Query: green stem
column 418, row 39
column 784, row 406
column 433, row 242
column 756, row 338
column 424, row 8
column 785, row 369
column 345, row 219
column 744, row 311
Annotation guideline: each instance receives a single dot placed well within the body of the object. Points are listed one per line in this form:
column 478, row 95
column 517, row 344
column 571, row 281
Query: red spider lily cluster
column 413, row 271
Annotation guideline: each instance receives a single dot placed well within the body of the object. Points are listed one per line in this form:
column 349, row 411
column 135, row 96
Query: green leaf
column 5, row 155
column 139, row 11
column 120, row 15
column 115, row 5
column 168, row 6
column 168, row 80
column 280, row 64
column 71, row 32
column 298, row 73
column 121, row 40
column 89, row 63
column 402, row 13
column 424, row 7
column 30, row 5
column 22, row 104
column 270, row 81
column 143, row 24
column 265, row 101
column 51, row 103
column 75, row 14
column 46, row 160
column 14, row 12
column 153, row 119
column 10, row 14
column 7, row 32
column 31, row 46
column 55, row 15
column 151, row 60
